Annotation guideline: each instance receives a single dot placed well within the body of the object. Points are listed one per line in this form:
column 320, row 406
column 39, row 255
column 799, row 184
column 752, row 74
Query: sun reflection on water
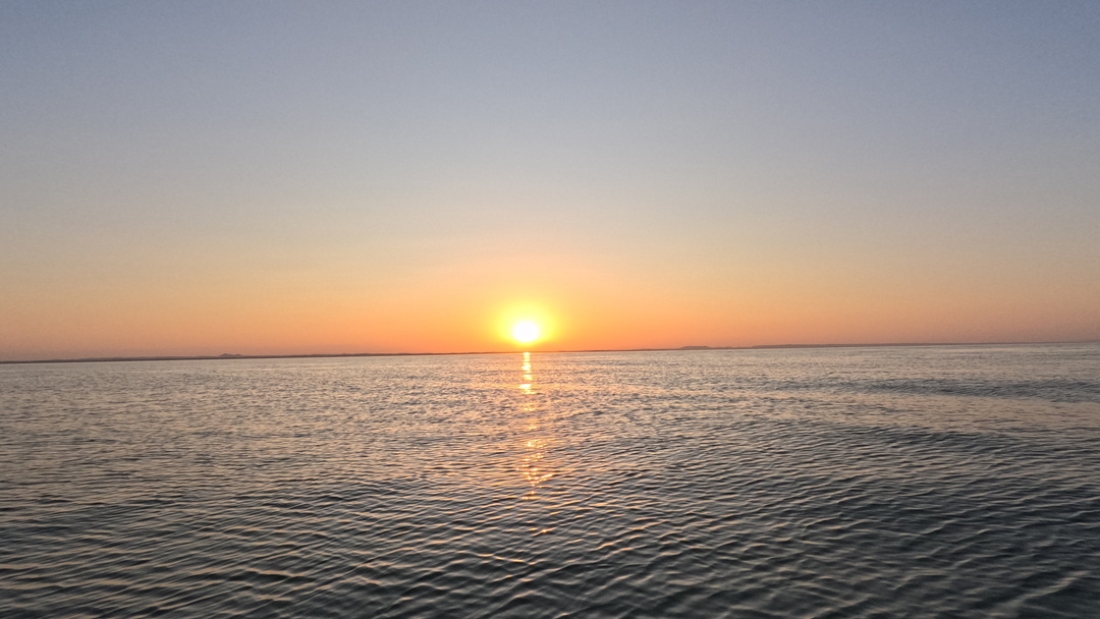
column 528, row 377
column 534, row 443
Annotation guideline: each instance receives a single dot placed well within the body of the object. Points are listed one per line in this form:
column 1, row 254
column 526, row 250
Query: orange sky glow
column 182, row 180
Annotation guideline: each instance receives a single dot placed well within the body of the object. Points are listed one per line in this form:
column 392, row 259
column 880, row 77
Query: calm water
column 881, row 482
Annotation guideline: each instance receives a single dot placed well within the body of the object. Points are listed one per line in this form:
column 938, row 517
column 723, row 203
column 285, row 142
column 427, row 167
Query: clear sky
column 294, row 177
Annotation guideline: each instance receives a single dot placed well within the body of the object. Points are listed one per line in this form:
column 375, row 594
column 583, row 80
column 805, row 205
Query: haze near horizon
column 281, row 178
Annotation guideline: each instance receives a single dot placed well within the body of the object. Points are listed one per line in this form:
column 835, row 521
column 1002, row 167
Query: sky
column 192, row 178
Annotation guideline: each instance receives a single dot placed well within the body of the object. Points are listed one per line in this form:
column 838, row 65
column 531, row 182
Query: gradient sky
column 277, row 177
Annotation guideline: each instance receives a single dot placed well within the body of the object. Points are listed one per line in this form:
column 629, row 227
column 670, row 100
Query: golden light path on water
column 534, row 442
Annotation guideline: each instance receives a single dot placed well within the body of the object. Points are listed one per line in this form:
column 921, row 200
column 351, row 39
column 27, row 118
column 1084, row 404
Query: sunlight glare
column 526, row 331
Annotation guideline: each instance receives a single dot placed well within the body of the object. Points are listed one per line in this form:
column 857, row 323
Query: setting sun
column 526, row 331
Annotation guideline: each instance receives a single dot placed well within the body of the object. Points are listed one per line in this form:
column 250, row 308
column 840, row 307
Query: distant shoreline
column 232, row 356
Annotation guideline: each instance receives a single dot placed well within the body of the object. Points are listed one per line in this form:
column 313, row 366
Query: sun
column 526, row 331
column 525, row 325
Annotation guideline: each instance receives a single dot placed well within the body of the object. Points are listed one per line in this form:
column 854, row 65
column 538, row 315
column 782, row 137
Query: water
column 876, row 482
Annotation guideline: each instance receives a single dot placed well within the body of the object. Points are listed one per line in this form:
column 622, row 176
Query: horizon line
column 689, row 348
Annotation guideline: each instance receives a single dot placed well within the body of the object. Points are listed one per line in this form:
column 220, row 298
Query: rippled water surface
column 876, row 482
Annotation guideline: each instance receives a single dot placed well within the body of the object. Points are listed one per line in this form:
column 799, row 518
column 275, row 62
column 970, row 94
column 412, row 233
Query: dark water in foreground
column 881, row 482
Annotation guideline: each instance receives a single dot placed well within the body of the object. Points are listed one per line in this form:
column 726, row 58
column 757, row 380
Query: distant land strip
column 233, row 356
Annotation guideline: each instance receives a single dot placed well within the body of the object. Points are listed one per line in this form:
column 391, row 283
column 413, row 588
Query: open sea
column 939, row 481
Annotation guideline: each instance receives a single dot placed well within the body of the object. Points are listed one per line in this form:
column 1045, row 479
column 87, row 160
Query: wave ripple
column 916, row 482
